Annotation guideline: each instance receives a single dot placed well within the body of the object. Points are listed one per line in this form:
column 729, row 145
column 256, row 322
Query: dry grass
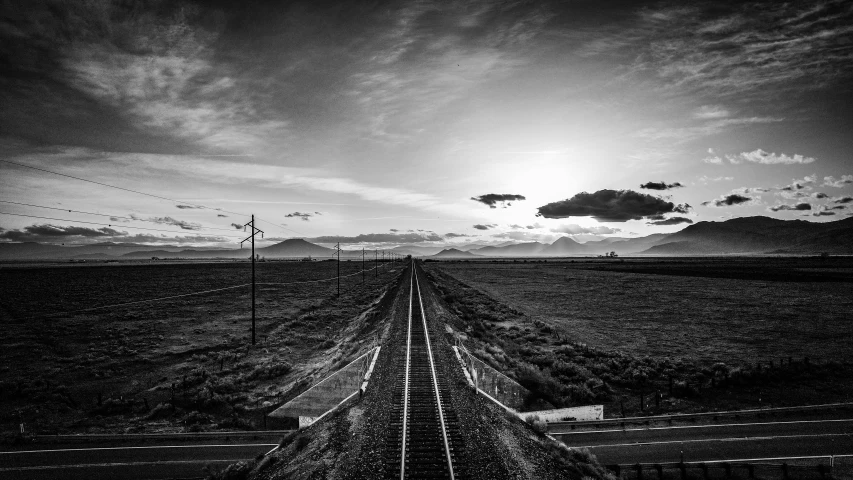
column 182, row 364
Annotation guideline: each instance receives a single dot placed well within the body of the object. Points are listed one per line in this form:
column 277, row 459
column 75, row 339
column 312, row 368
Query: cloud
column 713, row 158
column 706, row 179
column 456, row 235
column 798, row 206
column 611, row 206
column 175, row 222
column 800, row 184
column 188, row 207
column 831, row 181
column 706, row 112
column 660, row 185
column 672, row 221
column 492, row 199
column 515, row 226
column 729, row 200
column 84, row 235
column 822, row 213
column 56, row 233
column 303, row 216
column 222, row 216
column 765, row 158
column 484, row 227
column 842, row 200
column 393, row 230
column 748, row 190
column 573, row 229
column 380, row 238
column 237, row 226
column 819, row 195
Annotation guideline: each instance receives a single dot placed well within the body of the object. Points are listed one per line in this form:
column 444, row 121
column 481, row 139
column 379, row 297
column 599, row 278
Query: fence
column 782, row 468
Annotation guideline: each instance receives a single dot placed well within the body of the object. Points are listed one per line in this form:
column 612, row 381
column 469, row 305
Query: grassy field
column 725, row 333
column 177, row 364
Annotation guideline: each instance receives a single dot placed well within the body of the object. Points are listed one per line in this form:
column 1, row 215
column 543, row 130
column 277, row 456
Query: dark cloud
column 175, row 222
column 55, row 233
column 237, row 226
column 188, row 207
column 484, row 227
column 393, row 229
column 804, row 184
column 729, row 200
column 672, row 221
column 823, row 213
column 611, row 206
column 456, row 235
column 492, row 199
column 842, row 200
column 820, row 195
column 380, row 238
column 84, row 235
column 222, row 216
column 660, row 185
column 304, row 216
column 799, row 206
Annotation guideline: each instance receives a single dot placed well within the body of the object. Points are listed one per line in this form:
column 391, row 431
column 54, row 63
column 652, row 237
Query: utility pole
column 251, row 237
column 338, row 253
column 375, row 263
column 362, row 265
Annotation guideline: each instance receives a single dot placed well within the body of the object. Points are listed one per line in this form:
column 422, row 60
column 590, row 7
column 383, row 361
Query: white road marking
column 732, row 439
column 138, row 448
column 717, row 425
column 123, row 464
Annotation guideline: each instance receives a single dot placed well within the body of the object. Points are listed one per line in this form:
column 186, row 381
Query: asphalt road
column 717, row 442
column 126, row 462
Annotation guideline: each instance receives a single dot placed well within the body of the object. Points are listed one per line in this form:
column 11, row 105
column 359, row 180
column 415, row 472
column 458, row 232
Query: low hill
column 564, row 246
column 747, row 235
column 528, row 249
column 454, row 253
column 295, row 247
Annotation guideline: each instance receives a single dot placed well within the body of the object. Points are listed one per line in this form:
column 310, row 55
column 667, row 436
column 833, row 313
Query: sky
column 431, row 123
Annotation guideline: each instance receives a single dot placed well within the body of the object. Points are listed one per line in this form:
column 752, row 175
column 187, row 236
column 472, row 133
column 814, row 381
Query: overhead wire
column 173, row 200
column 201, row 292
column 103, row 214
column 113, row 225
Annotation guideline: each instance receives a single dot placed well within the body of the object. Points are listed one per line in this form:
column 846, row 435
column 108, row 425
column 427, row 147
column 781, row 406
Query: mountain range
column 745, row 235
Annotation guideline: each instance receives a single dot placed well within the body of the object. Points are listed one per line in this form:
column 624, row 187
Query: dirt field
column 682, row 335
column 181, row 364
column 736, row 311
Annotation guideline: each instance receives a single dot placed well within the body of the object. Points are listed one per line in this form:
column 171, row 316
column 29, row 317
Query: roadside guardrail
column 696, row 416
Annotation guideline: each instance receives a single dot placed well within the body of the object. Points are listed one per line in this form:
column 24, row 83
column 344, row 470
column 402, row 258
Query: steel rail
column 434, row 377
column 406, row 387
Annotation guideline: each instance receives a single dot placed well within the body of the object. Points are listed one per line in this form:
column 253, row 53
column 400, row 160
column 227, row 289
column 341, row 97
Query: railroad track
column 424, row 439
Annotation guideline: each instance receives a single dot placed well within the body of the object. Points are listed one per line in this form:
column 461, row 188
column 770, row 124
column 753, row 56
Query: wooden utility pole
column 362, row 265
column 338, row 253
column 375, row 263
column 251, row 237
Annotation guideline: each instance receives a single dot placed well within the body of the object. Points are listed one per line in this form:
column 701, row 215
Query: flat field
column 681, row 334
column 739, row 310
column 184, row 363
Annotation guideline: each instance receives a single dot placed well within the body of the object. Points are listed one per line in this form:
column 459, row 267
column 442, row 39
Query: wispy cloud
column 831, row 181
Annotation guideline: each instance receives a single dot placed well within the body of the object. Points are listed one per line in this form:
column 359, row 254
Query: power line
column 103, row 214
column 122, row 188
column 138, row 301
column 196, row 205
column 110, row 224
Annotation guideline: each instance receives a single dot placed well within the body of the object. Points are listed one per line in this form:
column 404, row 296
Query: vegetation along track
column 424, row 431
